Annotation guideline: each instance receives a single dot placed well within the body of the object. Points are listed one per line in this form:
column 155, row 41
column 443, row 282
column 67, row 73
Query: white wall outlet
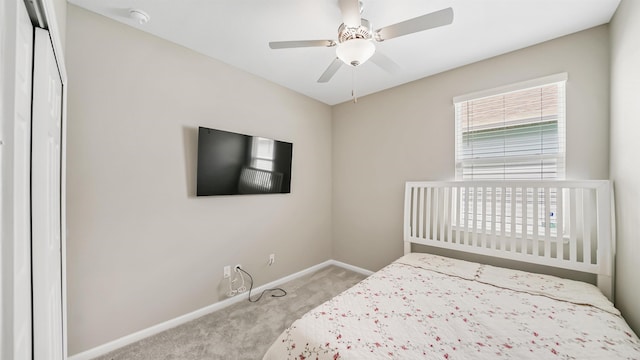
column 227, row 272
column 272, row 259
column 238, row 266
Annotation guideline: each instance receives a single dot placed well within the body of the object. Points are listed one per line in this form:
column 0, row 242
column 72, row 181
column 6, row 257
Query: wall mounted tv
column 238, row 164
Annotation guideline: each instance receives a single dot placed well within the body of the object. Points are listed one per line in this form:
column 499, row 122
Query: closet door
column 45, row 200
column 16, row 46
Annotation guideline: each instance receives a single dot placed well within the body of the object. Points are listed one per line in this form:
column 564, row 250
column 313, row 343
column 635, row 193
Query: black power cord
column 284, row 293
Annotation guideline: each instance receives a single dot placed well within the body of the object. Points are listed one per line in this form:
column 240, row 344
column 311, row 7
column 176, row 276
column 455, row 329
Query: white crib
column 564, row 224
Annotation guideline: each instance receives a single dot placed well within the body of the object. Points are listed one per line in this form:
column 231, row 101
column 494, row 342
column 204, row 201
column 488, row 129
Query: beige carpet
column 244, row 330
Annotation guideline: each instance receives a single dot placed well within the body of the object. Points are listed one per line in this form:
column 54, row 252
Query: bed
column 424, row 306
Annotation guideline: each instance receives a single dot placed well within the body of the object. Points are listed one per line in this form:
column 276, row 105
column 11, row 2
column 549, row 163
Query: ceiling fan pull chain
column 353, row 86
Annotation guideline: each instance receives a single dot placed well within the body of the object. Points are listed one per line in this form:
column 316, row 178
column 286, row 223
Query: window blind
column 519, row 134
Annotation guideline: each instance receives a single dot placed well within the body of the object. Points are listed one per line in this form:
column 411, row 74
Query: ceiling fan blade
column 420, row 23
column 331, row 70
column 300, row 43
column 384, row 62
column 350, row 12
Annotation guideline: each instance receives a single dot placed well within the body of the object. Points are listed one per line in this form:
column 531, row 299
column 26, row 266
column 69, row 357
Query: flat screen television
column 238, row 164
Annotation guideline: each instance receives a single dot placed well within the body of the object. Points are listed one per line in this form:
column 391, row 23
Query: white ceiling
column 237, row 32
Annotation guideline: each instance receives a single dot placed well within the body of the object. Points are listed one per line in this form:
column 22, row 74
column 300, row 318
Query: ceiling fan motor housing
column 363, row 31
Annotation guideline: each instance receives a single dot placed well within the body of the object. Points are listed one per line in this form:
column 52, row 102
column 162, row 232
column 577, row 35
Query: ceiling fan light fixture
column 355, row 52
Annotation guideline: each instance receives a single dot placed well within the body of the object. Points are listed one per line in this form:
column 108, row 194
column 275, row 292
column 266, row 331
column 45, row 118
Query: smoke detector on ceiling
column 139, row 16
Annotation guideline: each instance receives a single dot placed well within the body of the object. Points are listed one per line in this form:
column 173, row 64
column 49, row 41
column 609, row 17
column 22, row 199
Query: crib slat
column 512, row 243
column 443, row 218
column 459, row 219
column 503, row 218
column 427, row 230
column 451, row 214
column 547, row 221
column 472, row 215
column 513, row 247
column 467, row 201
column 436, row 213
column 483, row 219
column 525, row 226
column 586, row 238
column 573, row 242
column 420, row 210
column 414, row 216
column 494, row 199
column 559, row 224
column 580, row 224
column 536, row 222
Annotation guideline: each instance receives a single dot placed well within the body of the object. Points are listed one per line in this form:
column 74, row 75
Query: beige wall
column 625, row 150
column 407, row 133
column 142, row 249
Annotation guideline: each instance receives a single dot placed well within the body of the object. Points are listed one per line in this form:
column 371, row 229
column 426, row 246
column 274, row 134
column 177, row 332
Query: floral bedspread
column 428, row 307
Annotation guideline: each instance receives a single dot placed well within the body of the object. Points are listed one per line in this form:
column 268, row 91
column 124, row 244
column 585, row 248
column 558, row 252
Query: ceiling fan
column 355, row 42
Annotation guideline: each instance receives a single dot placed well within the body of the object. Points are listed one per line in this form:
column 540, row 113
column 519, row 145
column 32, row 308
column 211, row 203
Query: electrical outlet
column 227, row 272
column 238, row 266
column 272, row 259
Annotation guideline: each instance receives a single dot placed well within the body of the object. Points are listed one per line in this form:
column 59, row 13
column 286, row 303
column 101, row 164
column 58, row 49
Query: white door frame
column 10, row 314
column 46, row 249
column 45, row 11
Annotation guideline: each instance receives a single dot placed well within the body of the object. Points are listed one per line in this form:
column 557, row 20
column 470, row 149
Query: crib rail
column 565, row 224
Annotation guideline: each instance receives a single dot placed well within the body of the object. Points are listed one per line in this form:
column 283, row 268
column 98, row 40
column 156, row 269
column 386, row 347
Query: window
column 262, row 153
column 512, row 132
column 262, row 158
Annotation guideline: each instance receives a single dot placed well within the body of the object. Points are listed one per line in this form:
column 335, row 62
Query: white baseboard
column 153, row 330
column 359, row 270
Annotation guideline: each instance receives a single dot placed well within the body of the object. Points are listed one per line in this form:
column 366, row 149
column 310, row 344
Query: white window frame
column 501, row 90
column 262, row 153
